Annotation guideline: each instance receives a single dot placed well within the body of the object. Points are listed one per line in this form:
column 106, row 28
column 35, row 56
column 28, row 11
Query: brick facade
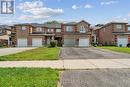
column 76, row 35
column 109, row 33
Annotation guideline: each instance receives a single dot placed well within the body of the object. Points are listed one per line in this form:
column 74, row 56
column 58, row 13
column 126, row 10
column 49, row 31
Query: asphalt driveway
column 96, row 78
column 90, row 53
column 7, row 51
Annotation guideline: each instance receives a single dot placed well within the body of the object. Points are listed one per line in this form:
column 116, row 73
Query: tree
column 52, row 22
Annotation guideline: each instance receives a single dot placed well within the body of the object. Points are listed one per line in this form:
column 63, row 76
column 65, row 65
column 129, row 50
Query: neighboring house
column 114, row 33
column 35, row 34
column 5, row 32
column 77, row 34
column 96, row 32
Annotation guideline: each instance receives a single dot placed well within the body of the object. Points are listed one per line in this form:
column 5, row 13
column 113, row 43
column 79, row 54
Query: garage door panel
column 37, row 42
column 22, row 42
column 84, row 42
column 122, row 41
column 69, row 42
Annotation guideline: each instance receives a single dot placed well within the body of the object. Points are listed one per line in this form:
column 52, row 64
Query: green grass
column 117, row 49
column 42, row 53
column 28, row 77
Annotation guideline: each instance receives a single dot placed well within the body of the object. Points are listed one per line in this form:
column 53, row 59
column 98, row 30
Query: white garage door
column 69, row 42
column 122, row 41
column 37, row 42
column 22, row 42
column 84, row 42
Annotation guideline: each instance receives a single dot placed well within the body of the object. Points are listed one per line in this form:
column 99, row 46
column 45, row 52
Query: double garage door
column 83, row 42
column 122, row 41
column 36, row 42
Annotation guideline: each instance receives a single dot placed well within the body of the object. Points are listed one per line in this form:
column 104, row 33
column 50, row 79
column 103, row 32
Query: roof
column 70, row 23
column 24, row 24
column 5, row 27
column 113, row 23
column 53, row 25
column 37, row 25
column 74, row 23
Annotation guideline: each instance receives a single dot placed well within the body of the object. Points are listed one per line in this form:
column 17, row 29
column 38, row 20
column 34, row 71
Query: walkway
column 71, row 64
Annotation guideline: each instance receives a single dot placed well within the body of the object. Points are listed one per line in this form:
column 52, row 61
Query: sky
column 93, row 11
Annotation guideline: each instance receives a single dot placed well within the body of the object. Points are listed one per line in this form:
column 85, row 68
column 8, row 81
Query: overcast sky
column 93, row 11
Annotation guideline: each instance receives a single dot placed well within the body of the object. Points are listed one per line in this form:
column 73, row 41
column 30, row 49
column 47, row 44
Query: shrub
column 106, row 44
column 128, row 45
column 53, row 43
column 94, row 44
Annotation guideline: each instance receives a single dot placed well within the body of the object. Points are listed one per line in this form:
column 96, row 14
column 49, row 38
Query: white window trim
column 58, row 30
column 128, row 28
column 38, row 29
column 23, row 28
column 119, row 26
column 82, row 29
column 50, row 30
column 69, row 28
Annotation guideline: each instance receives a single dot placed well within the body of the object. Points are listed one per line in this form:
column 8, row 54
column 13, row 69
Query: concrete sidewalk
column 71, row 64
column 7, row 51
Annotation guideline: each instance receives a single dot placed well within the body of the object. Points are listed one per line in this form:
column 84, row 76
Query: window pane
column 82, row 29
column 58, row 30
column 129, row 28
column 23, row 27
column 69, row 28
column 38, row 29
column 118, row 26
column 50, row 30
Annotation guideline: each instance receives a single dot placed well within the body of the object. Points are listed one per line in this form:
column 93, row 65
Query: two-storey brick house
column 114, row 33
column 78, row 34
column 35, row 34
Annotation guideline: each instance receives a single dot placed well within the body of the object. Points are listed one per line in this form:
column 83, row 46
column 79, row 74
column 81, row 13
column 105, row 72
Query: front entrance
column 59, row 41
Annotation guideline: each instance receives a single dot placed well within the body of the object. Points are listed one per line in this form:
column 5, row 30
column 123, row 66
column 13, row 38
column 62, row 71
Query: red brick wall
column 106, row 36
column 129, row 38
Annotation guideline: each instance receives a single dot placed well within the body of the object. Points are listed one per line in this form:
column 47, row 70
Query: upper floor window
column 50, row 30
column 119, row 26
column 128, row 28
column 82, row 29
column 38, row 29
column 0, row 30
column 23, row 28
column 58, row 30
column 69, row 28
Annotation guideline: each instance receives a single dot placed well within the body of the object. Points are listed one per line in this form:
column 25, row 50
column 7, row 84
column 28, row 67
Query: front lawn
column 117, row 49
column 28, row 77
column 42, row 53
